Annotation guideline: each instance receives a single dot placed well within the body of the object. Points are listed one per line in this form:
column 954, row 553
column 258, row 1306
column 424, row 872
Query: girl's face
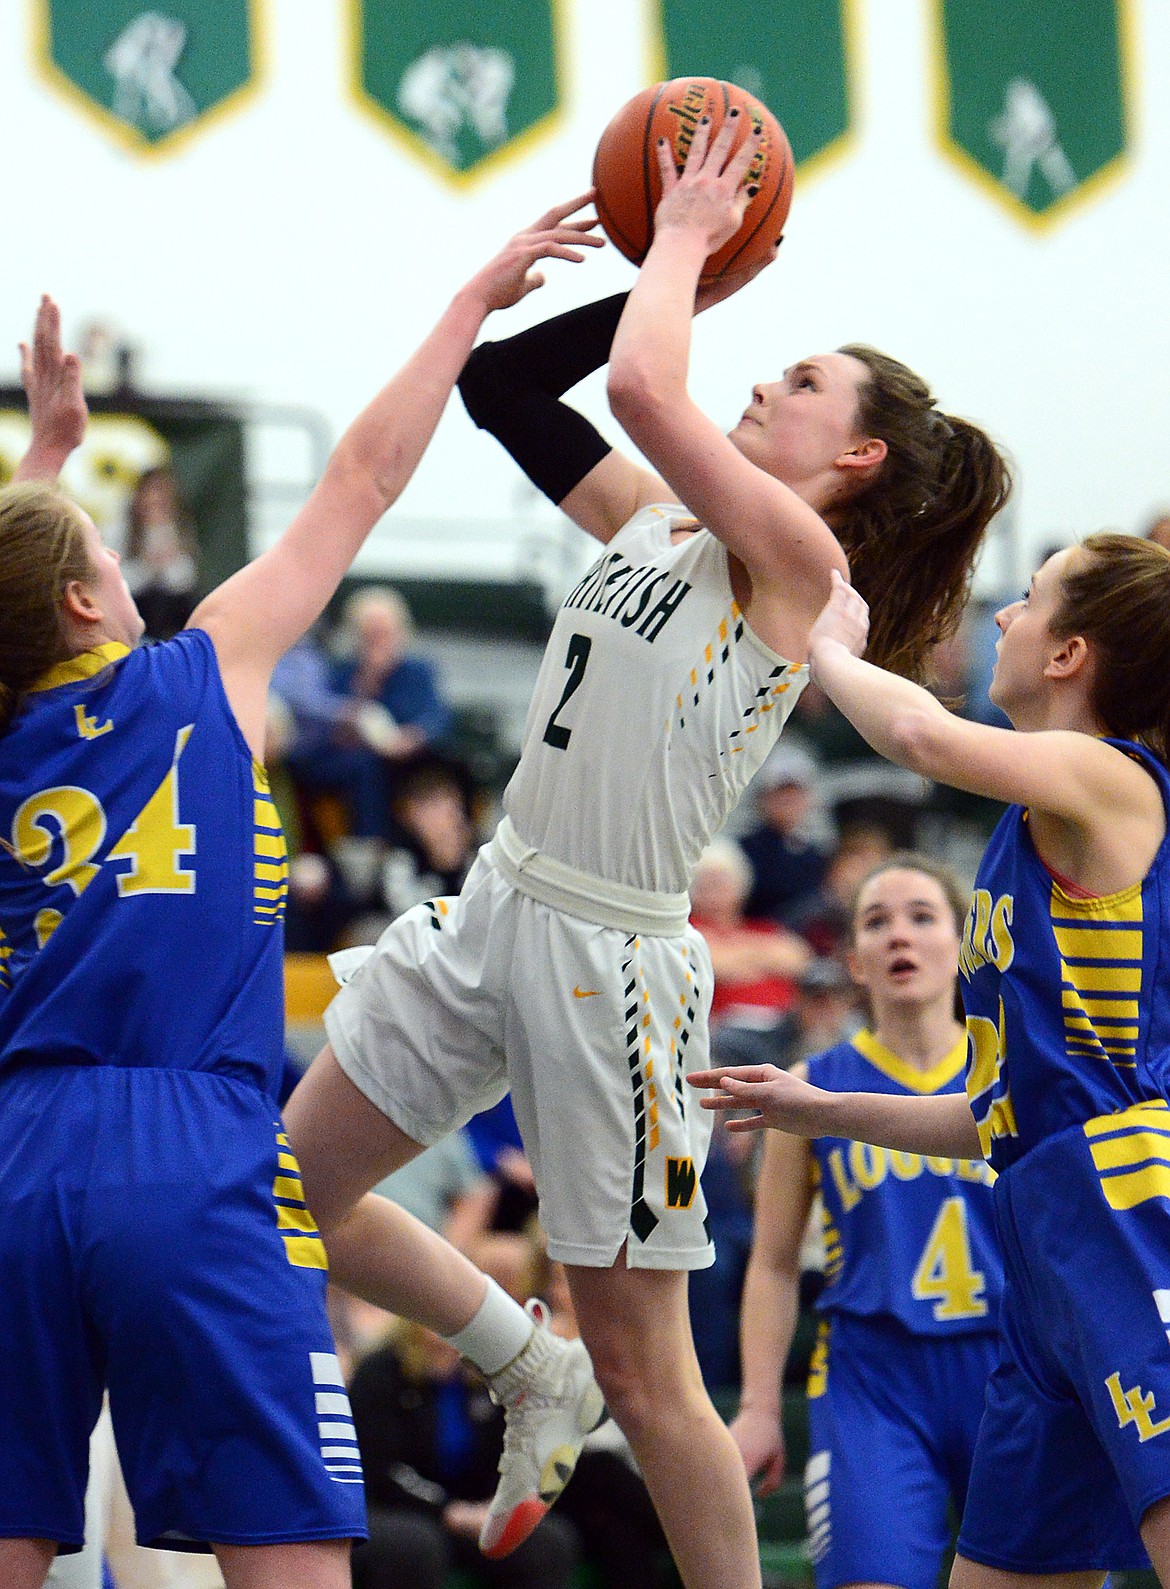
column 109, row 591
column 905, row 948
column 1026, row 641
column 797, row 428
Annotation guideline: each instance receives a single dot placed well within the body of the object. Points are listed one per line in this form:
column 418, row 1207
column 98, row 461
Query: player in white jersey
column 566, row 968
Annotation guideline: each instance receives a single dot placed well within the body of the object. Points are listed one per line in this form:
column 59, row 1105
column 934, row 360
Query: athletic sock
column 496, row 1334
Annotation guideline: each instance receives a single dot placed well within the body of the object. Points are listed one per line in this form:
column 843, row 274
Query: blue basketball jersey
column 906, row 1236
column 1068, row 1007
column 143, row 871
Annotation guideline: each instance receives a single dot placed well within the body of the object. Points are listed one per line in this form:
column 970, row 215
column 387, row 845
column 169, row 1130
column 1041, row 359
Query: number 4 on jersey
column 945, row 1274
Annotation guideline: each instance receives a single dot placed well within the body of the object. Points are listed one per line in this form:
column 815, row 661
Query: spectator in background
column 825, row 1011
column 435, row 834
column 384, row 669
column 787, row 854
column 755, row 961
column 161, row 565
column 822, row 919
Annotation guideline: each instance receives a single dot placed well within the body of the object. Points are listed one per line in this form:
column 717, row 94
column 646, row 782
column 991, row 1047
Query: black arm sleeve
column 513, row 389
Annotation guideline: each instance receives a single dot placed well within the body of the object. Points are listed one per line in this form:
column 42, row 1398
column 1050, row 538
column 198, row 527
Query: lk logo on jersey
column 461, row 82
column 149, row 74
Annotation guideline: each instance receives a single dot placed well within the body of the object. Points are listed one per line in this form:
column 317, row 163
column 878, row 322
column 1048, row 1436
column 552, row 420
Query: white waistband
column 582, row 894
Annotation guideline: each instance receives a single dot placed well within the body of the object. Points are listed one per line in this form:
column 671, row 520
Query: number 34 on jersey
column 59, row 831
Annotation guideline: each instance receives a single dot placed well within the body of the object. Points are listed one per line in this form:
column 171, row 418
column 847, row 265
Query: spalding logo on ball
column 629, row 186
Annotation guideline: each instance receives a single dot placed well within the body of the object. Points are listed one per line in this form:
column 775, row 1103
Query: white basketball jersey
column 654, row 707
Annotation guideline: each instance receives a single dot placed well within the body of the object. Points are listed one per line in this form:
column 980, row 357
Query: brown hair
column 1116, row 593
column 957, row 895
column 42, row 551
column 912, row 536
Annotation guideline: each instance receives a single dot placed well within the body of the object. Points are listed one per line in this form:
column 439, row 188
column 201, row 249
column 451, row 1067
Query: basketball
column 629, row 186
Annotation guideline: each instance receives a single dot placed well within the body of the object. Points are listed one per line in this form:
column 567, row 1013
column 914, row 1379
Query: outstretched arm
column 1073, row 777
column 942, row 1125
column 261, row 610
column 56, row 402
column 776, row 535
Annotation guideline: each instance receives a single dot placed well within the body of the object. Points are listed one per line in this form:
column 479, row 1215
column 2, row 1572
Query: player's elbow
column 634, row 395
column 916, row 740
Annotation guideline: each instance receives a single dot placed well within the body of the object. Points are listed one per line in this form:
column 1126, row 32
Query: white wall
column 294, row 252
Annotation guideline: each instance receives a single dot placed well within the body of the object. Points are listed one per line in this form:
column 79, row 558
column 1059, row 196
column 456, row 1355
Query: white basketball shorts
column 592, row 1028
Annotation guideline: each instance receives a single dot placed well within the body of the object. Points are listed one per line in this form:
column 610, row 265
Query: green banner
column 202, row 442
column 796, row 64
column 149, row 76
column 463, row 81
column 1033, row 97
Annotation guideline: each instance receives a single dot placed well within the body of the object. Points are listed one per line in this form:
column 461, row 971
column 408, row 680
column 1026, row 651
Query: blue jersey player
column 912, row 1268
column 154, row 1236
column 1068, row 1071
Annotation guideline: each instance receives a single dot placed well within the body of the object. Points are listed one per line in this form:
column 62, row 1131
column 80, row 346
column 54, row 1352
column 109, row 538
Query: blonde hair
column 42, row 551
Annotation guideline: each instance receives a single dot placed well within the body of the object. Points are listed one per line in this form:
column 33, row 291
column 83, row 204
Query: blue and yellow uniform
column 1068, row 1007
column 153, row 1231
column 907, row 1339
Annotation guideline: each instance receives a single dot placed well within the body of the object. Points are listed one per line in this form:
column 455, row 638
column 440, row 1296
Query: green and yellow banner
column 1033, row 99
column 149, row 76
column 792, row 54
column 462, row 82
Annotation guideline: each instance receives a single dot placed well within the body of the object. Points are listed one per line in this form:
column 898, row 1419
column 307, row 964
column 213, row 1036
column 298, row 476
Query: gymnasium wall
column 292, row 235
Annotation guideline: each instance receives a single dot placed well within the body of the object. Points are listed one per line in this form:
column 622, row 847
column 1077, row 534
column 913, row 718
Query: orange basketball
column 626, row 176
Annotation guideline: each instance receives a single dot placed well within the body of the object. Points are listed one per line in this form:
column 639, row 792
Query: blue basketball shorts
column 893, row 1419
column 1075, row 1445
column 154, row 1238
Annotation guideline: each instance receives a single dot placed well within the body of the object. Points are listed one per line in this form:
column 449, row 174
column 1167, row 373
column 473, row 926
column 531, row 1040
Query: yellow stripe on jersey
column 5, row 951
column 1107, row 931
column 1139, row 1186
column 270, row 866
column 1135, row 1147
column 303, row 1246
column 1153, row 1112
column 306, row 1252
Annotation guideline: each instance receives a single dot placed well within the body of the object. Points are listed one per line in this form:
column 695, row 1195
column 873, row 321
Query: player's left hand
column 843, row 619
column 52, row 380
column 510, row 276
column 712, row 194
column 779, row 1099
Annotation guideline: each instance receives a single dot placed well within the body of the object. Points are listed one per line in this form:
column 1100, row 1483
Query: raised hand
column 508, row 277
column 56, row 402
column 711, row 193
column 844, row 619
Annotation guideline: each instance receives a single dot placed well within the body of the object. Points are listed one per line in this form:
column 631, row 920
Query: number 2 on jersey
column 556, row 734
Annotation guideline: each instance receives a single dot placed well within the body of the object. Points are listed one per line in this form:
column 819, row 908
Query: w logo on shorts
column 681, row 1182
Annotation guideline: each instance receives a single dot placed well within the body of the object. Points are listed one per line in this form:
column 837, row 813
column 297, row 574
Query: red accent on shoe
column 517, row 1529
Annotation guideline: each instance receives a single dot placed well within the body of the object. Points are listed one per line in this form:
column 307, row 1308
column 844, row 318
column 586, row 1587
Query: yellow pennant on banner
column 150, row 77
column 1034, row 100
column 463, row 83
column 796, row 57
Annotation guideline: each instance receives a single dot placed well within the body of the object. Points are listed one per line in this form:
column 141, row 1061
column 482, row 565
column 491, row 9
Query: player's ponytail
column 912, row 535
column 1116, row 593
column 42, row 550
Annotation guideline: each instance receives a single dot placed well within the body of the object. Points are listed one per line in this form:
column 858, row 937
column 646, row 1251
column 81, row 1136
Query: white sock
column 496, row 1334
